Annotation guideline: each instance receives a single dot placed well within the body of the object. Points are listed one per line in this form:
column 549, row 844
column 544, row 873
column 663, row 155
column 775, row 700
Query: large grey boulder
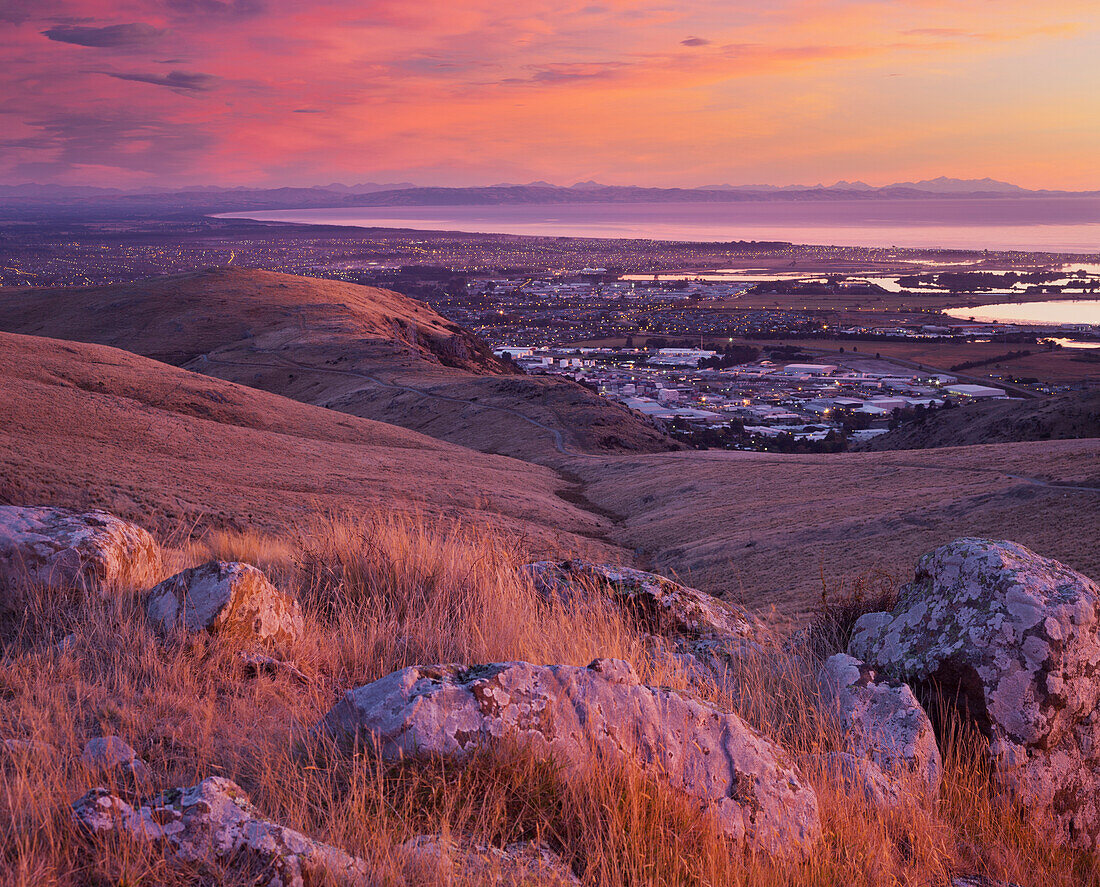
column 232, row 599
column 580, row 717
column 1013, row 640
column 65, row 549
column 29, row 750
column 433, row 859
column 107, row 751
column 215, row 820
column 881, row 720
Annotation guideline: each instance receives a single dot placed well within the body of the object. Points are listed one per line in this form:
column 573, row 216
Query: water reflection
column 1055, row 313
column 1047, row 224
column 1073, row 343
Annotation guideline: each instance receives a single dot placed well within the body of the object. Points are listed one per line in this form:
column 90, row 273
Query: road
column 963, row 377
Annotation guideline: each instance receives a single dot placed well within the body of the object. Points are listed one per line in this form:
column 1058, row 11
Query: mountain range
column 938, row 185
column 45, row 201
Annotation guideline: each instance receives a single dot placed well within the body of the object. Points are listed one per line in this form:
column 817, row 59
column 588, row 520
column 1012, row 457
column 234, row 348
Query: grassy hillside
column 177, row 318
column 762, row 528
column 360, row 350
column 86, row 425
column 614, row 827
column 1074, row 415
column 405, row 549
column 766, row 530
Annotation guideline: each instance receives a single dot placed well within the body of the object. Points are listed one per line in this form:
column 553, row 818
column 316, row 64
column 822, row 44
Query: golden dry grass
column 336, row 345
column 381, row 592
column 87, row 426
column 762, row 528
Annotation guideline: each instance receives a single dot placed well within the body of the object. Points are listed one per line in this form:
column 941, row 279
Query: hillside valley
column 770, row 531
column 359, row 350
column 259, row 356
column 93, row 426
column 298, row 574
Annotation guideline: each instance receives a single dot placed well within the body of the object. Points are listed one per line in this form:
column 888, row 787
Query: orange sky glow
column 139, row 93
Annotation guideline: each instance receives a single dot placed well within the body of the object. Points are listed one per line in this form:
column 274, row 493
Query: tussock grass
column 381, row 592
column 842, row 603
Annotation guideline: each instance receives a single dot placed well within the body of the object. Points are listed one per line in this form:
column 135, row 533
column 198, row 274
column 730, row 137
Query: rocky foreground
column 988, row 635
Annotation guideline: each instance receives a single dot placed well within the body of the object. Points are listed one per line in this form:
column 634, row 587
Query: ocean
column 1031, row 224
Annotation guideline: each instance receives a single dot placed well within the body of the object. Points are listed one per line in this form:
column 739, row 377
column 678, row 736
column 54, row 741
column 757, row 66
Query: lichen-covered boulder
column 583, row 716
column 881, row 720
column 232, row 599
column 65, row 549
column 858, row 777
column 215, row 820
column 656, row 604
column 432, row 859
column 1013, row 640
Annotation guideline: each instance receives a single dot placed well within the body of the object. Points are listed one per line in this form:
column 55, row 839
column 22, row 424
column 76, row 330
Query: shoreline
column 881, row 225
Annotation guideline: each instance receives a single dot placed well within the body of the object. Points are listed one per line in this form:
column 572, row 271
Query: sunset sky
column 692, row 92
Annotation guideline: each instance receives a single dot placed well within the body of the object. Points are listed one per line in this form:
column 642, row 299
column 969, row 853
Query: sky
column 169, row 93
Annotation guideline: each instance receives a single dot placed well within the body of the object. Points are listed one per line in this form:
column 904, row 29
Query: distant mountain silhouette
column 938, row 185
column 944, row 185
column 56, row 201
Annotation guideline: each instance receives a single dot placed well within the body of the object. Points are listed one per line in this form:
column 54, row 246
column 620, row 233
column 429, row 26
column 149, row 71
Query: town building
column 975, row 392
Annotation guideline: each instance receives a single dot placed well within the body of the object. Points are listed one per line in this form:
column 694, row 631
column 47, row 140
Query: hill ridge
column 86, row 424
column 403, row 363
column 1070, row 416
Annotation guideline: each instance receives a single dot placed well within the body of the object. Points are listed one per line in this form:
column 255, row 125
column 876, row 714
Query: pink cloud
column 661, row 92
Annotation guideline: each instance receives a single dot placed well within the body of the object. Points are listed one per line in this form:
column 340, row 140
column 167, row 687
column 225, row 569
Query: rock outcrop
column 656, row 605
column 258, row 663
column 1012, row 640
column 881, row 721
column 65, row 549
column 706, row 636
column 29, row 750
column 232, row 599
column 979, row 881
column 582, row 716
column 215, row 820
column 432, row 859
